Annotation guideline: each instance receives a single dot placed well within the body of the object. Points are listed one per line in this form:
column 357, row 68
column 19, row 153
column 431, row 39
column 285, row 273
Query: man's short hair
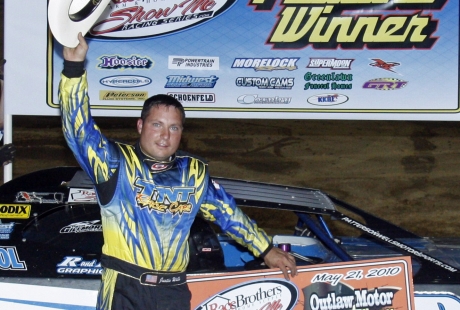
column 162, row 99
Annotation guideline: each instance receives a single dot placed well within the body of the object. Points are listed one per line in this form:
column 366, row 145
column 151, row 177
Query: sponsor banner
column 379, row 54
column 371, row 284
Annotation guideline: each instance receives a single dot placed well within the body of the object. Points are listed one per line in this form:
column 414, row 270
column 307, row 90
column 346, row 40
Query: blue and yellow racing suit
column 147, row 207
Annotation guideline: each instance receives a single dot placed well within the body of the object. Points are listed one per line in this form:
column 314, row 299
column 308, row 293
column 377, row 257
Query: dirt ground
column 405, row 172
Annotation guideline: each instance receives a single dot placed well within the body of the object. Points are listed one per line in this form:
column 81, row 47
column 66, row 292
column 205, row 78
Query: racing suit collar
column 154, row 165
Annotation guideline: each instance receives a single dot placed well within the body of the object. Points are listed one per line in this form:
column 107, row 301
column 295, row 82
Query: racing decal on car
column 39, row 197
column 76, row 265
column 259, row 294
column 266, row 64
column 9, row 259
column 385, row 84
column 9, row 211
column 6, row 230
column 82, row 227
column 82, row 195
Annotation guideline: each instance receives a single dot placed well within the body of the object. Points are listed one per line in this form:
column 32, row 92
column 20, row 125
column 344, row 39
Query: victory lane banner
column 383, row 284
column 304, row 59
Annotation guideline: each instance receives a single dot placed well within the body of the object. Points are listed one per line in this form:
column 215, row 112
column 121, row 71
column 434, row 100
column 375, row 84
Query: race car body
column 51, row 240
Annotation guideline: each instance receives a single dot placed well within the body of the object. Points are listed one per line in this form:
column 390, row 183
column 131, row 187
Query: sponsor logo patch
column 385, row 84
column 123, row 95
column 255, row 99
column 126, row 81
column 265, row 82
column 266, row 64
column 164, row 199
column 193, row 62
column 327, row 99
column 120, row 62
column 330, row 63
column 194, row 97
column 388, row 66
column 189, row 81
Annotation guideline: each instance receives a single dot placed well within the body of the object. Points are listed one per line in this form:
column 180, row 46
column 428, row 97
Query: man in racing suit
column 149, row 195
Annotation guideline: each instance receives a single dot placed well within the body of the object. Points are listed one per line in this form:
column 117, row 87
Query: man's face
column 160, row 132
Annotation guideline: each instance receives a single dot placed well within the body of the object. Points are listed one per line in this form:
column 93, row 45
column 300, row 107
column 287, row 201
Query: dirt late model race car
column 51, row 240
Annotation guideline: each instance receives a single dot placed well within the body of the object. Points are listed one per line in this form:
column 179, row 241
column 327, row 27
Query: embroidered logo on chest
column 175, row 200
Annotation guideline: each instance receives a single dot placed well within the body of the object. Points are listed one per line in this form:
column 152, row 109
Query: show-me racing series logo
column 348, row 24
column 133, row 19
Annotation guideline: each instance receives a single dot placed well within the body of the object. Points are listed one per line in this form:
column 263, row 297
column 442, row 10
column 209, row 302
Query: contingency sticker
column 10, row 211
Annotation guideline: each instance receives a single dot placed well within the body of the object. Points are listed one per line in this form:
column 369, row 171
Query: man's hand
column 278, row 258
column 77, row 53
